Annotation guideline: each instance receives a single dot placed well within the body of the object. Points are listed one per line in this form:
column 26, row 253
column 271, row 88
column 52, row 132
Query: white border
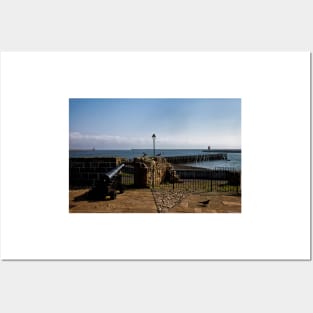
column 275, row 93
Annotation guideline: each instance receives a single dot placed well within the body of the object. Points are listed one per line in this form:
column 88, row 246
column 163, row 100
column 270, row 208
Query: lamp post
column 153, row 138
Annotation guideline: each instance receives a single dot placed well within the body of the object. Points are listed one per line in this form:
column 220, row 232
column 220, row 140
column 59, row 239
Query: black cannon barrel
column 110, row 174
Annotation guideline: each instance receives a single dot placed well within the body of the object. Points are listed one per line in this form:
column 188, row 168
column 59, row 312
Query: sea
column 233, row 159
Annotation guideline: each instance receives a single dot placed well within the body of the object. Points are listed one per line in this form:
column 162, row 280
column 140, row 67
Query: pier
column 196, row 158
column 223, row 150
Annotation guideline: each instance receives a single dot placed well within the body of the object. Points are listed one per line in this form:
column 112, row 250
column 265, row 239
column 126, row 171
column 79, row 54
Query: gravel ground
column 167, row 199
column 170, row 201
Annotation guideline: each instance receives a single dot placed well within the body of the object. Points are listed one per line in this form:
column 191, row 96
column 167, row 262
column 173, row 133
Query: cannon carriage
column 108, row 185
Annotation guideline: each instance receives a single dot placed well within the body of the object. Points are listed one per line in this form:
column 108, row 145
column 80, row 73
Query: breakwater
column 223, row 150
column 196, row 158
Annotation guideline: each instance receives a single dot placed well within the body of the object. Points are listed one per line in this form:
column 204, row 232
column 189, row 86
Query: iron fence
column 87, row 172
column 127, row 175
column 217, row 180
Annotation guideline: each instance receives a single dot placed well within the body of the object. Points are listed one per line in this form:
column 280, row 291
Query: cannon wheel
column 121, row 188
column 113, row 195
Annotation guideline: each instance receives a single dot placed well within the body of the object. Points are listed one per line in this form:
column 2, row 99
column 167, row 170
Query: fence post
column 173, row 179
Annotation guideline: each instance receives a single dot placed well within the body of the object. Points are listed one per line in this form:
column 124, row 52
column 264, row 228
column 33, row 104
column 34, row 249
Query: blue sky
column 177, row 123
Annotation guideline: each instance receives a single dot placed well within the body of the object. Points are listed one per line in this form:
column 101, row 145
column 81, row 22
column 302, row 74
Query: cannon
column 108, row 186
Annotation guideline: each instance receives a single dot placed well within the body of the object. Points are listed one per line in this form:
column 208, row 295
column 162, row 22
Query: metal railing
column 128, row 176
column 87, row 172
column 217, row 180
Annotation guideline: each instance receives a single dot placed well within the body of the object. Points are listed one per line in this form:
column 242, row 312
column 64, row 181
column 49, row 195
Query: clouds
column 80, row 140
column 177, row 123
column 103, row 141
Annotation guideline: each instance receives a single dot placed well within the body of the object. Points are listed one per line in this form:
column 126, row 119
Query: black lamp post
column 153, row 138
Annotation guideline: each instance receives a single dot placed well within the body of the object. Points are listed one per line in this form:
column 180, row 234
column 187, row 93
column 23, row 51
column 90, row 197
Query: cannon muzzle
column 110, row 174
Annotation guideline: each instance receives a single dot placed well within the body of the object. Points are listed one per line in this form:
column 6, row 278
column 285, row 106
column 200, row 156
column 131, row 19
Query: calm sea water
column 234, row 159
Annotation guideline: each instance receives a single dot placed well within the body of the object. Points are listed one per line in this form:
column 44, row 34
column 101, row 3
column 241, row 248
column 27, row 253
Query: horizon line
column 129, row 149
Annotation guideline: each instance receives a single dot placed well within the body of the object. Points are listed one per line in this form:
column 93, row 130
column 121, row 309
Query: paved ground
column 143, row 201
column 209, row 203
column 131, row 201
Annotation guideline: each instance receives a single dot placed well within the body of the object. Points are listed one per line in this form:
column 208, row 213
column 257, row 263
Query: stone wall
column 150, row 172
column 84, row 172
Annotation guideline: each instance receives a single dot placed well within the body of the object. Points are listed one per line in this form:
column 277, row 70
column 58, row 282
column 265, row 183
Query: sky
column 177, row 123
